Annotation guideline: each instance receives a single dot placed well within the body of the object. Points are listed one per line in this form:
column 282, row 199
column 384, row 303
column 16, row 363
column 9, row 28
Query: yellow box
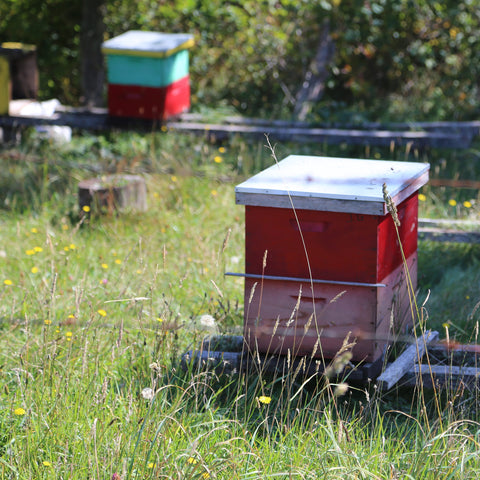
column 4, row 86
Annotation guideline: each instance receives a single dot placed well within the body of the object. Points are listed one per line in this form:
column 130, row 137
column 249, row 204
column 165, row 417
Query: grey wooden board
column 466, row 128
column 385, row 138
column 405, row 362
column 99, row 120
column 332, row 184
column 453, row 236
column 449, row 230
column 234, row 362
column 449, row 376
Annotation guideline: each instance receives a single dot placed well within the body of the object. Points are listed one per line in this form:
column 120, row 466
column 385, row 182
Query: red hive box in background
column 333, row 263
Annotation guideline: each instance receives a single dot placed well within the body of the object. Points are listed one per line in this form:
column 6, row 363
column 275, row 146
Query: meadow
column 95, row 315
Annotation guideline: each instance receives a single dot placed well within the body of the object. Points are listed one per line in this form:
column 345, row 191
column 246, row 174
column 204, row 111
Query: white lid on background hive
column 147, row 44
column 332, row 184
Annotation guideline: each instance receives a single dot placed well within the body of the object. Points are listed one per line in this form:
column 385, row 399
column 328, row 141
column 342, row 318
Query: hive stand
column 425, row 361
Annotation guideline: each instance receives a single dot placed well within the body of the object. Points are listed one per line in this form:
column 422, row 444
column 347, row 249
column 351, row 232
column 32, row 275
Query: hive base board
column 241, row 359
column 454, row 367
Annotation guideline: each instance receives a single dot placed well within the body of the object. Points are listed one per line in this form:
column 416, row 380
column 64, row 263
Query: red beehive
column 333, row 263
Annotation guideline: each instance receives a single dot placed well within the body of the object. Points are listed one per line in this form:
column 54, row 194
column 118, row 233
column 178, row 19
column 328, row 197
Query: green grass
column 94, row 313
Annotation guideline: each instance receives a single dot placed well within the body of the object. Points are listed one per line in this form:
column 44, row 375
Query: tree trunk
column 91, row 57
column 314, row 82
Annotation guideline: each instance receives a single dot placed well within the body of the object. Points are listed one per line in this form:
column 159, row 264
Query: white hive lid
column 332, row 184
column 151, row 44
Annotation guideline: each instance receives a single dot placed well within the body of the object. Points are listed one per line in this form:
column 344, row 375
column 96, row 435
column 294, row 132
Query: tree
column 92, row 68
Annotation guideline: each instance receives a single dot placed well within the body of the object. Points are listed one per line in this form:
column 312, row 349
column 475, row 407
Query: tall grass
column 94, row 317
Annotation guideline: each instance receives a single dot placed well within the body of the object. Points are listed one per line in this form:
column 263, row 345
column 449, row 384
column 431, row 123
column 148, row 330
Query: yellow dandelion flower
column 118, row 261
column 102, row 312
column 156, row 195
column 34, row 230
column 8, row 282
column 71, row 316
column 38, row 249
column 467, row 204
column 69, row 334
column 192, row 461
column 47, row 321
column 138, row 271
column 221, row 149
column 214, row 193
column 173, row 178
column 34, row 270
column 452, row 202
column 422, row 197
column 205, row 475
column 66, row 248
column 151, row 465
column 218, row 159
column 86, row 208
column 64, row 226
column 467, row 297
column 30, row 251
column 160, row 320
column 46, row 463
column 104, row 266
column 265, row 400
column 72, row 246
column 19, row 411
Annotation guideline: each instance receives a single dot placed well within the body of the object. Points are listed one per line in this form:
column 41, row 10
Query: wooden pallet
column 425, row 361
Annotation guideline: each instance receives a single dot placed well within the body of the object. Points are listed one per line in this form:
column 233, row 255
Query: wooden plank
column 454, row 183
column 231, row 363
column 454, row 236
column 329, row 135
column 449, row 230
column 406, row 361
column 466, row 128
column 464, row 225
column 220, row 362
column 450, row 376
column 99, row 121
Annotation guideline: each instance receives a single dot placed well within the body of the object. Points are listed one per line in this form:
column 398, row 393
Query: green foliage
column 53, row 27
column 94, row 313
column 395, row 59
